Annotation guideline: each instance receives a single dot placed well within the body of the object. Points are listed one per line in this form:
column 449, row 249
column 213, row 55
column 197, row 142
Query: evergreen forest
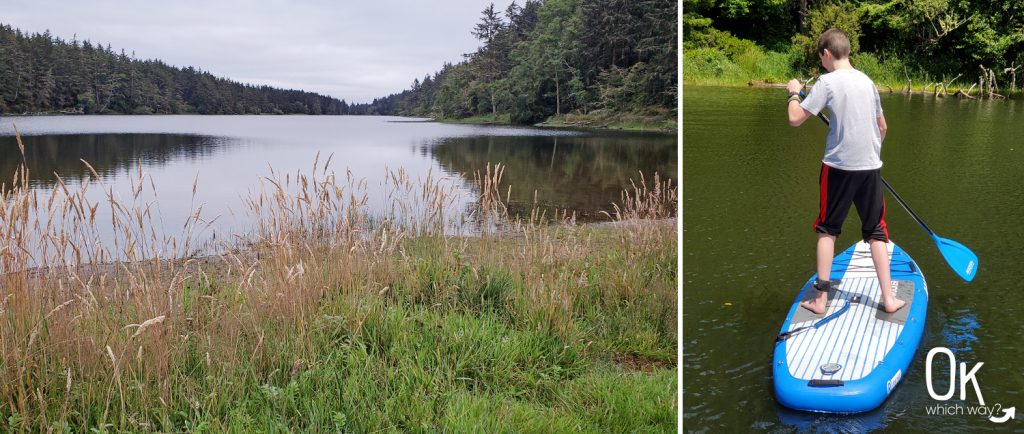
column 537, row 59
column 546, row 58
column 40, row 73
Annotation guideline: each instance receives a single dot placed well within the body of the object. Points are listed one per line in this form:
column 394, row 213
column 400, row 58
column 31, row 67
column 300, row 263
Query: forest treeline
column 552, row 57
column 536, row 59
column 40, row 73
column 894, row 41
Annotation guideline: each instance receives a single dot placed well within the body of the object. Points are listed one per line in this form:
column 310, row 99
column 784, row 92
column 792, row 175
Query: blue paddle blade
column 963, row 261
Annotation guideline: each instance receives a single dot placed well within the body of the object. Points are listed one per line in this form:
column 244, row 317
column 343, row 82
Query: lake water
column 749, row 198
column 228, row 156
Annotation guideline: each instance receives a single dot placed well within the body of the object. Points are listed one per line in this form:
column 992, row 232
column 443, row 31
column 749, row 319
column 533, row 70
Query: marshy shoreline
column 331, row 319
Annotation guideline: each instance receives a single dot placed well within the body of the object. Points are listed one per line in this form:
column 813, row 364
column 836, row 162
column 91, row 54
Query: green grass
column 457, row 344
column 738, row 64
column 335, row 319
column 606, row 400
column 497, row 119
column 654, row 120
column 713, row 66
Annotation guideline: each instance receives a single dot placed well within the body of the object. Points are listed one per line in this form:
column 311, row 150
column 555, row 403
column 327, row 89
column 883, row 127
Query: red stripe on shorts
column 881, row 222
column 822, row 196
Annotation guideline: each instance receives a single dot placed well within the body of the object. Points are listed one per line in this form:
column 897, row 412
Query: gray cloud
column 355, row 50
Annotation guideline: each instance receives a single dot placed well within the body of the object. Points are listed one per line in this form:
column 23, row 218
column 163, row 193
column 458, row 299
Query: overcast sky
column 353, row 50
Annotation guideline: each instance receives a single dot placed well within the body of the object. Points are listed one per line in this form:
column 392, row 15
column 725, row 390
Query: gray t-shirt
column 854, row 142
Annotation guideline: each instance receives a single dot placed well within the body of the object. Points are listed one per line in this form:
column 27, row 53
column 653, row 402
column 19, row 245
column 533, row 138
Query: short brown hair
column 836, row 42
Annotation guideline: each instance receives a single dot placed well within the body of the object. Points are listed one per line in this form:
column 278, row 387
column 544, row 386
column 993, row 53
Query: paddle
column 961, row 259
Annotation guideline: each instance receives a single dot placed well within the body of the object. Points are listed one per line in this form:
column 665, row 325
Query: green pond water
column 749, row 199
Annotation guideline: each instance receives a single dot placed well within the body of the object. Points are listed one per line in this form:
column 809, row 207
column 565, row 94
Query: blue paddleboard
column 850, row 358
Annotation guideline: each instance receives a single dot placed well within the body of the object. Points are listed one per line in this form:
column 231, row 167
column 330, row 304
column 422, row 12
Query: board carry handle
column 825, row 383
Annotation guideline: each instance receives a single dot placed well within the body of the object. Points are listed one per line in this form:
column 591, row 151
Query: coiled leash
column 786, row 335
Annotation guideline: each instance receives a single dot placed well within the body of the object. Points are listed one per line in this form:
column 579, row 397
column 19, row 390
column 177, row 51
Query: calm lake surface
column 749, row 199
column 227, row 156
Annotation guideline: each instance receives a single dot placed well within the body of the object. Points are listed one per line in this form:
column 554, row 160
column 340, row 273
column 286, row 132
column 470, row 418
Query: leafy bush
column 714, row 65
column 842, row 16
column 710, row 63
column 889, row 71
column 769, row 66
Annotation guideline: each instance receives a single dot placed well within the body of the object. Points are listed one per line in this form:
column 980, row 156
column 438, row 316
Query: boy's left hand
column 794, row 86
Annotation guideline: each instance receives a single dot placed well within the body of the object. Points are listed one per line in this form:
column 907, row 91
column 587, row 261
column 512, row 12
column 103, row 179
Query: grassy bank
column 327, row 318
column 737, row 66
column 738, row 62
column 741, row 65
column 653, row 120
column 493, row 119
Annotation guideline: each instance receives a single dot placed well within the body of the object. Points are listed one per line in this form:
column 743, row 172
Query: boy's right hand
column 794, row 86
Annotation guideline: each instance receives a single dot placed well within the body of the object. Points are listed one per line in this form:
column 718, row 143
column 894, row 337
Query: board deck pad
column 804, row 315
column 903, row 290
column 872, row 348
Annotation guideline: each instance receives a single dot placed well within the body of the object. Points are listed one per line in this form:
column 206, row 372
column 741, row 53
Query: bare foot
column 818, row 305
column 890, row 306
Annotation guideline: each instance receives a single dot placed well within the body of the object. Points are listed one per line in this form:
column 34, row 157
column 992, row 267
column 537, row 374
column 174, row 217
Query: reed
column 329, row 317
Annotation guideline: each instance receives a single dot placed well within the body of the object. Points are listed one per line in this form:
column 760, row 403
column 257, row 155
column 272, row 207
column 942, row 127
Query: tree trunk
column 803, row 12
column 986, row 81
column 968, row 93
column 558, row 97
column 992, row 86
column 1012, row 70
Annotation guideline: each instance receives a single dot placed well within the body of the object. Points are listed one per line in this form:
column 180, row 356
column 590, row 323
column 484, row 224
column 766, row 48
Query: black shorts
column 863, row 188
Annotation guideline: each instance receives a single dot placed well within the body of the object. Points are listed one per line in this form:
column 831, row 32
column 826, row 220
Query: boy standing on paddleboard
column 851, row 167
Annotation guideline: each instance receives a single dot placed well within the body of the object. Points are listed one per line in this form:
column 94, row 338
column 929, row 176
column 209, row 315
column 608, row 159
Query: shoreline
column 215, row 259
column 888, row 89
column 551, row 317
column 615, row 123
column 621, row 122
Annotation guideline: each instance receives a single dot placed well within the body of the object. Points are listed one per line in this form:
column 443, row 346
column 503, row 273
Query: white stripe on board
column 852, row 358
column 814, row 337
column 840, row 331
column 825, row 340
column 871, row 342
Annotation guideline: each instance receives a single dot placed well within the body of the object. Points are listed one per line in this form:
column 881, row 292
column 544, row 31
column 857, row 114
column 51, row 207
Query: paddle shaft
column 907, row 207
column 895, row 195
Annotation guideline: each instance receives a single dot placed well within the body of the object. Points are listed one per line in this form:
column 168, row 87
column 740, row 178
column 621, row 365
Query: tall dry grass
column 135, row 332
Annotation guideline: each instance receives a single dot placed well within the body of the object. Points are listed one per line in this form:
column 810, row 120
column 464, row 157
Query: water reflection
column 109, row 154
column 958, row 334
column 215, row 163
column 582, row 174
